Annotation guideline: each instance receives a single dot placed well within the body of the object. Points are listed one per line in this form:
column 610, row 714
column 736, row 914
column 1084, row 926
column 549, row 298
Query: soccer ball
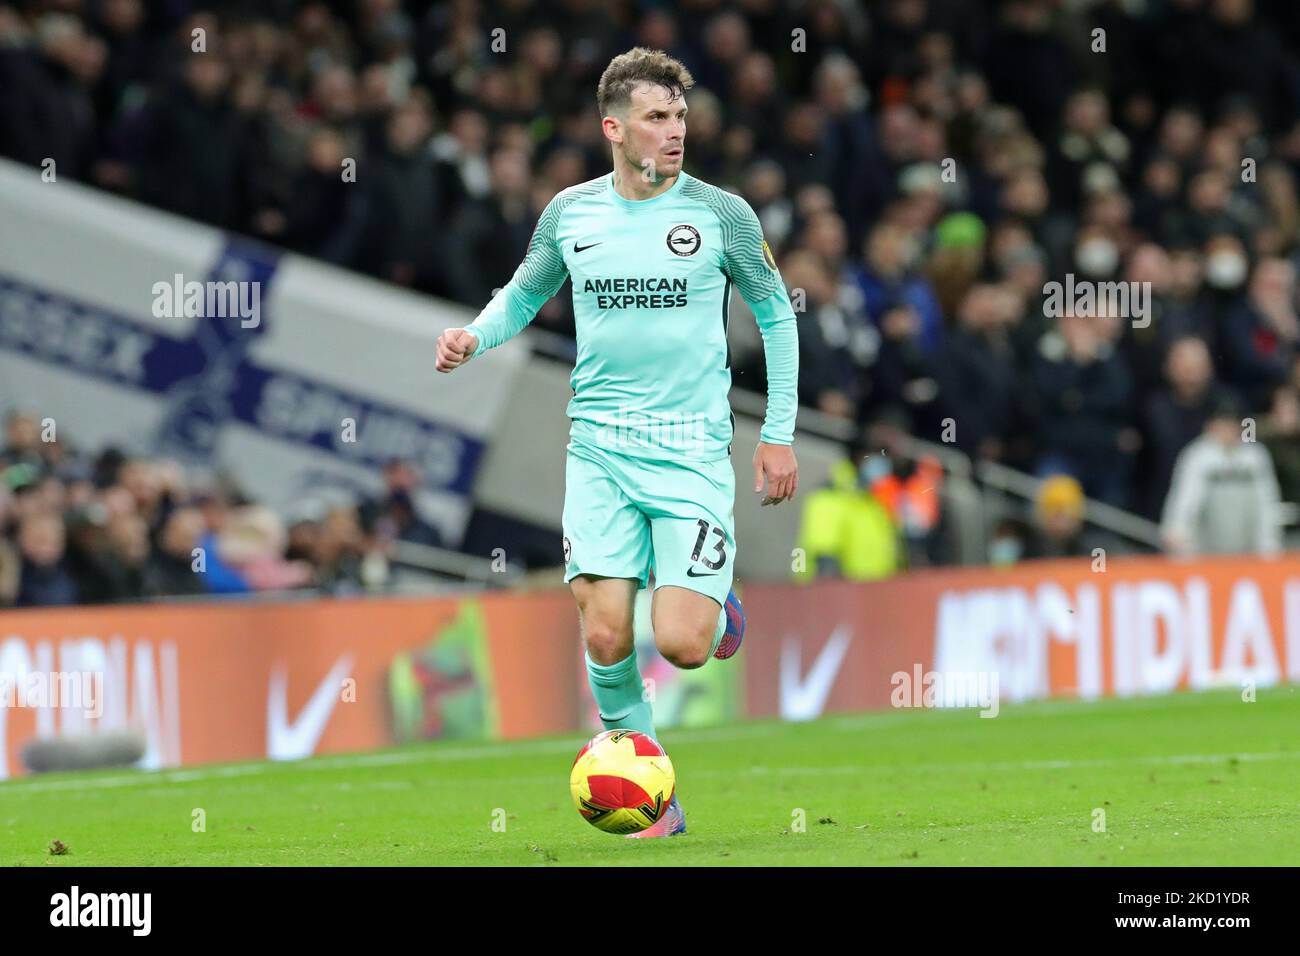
column 622, row 781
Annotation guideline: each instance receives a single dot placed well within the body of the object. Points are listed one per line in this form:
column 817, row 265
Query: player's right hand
column 455, row 348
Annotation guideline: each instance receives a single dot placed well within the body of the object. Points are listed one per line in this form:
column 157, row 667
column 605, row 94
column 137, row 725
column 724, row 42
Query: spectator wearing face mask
column 910, row 487
column 845, row 531
column 1224, row 495
column 1209, row 285
column 1012, row 541
column 1096, row 254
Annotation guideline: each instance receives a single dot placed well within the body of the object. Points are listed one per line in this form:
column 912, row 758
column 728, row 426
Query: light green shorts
column 627, row 517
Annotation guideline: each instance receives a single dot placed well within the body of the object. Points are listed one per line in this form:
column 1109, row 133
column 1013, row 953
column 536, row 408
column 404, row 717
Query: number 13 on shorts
column 698, row 555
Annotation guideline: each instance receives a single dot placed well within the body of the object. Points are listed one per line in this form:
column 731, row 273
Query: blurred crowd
column 108, row 527
column 922, row 168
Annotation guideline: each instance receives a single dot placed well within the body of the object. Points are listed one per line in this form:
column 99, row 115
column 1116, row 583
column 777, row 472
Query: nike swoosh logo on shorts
column 690, row 573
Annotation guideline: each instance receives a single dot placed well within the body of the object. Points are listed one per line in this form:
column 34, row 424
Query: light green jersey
column 652, row 283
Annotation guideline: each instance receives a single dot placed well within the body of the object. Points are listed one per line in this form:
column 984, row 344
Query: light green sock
column 722, row 629
column 620, row 696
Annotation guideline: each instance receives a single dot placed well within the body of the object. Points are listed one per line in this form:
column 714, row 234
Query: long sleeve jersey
column 652, row 283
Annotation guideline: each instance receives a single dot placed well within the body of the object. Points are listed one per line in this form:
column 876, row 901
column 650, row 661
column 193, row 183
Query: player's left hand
column 777, row 465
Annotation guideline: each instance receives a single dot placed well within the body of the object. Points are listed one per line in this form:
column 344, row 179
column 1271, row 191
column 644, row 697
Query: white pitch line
column 522, row 748
column 850, row 722
column 139, row 778
column 362, row 760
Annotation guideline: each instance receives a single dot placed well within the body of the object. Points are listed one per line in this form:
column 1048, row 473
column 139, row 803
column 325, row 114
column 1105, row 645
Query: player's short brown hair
column 639, row 65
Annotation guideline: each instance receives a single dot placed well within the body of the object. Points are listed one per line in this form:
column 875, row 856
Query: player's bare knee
column 687, row 657
column 684, row 647
column 608, row 642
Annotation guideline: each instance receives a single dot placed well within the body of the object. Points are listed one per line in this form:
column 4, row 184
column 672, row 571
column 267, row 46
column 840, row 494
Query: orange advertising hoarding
column 1044, row 629
column 221, row 682
column 230, row 682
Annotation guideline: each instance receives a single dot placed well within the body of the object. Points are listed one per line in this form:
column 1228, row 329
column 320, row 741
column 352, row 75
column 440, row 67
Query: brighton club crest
column 684, row 240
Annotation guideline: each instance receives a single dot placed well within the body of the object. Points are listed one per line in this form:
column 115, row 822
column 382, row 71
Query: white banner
column 133, row 327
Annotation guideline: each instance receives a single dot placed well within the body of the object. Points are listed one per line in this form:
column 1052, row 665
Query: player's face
column 655, row 131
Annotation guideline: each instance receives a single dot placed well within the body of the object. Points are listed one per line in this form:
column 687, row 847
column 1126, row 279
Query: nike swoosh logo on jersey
column 690, row 573
column 578, row 248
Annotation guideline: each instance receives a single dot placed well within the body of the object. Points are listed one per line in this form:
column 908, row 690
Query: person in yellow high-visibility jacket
column 846, row 532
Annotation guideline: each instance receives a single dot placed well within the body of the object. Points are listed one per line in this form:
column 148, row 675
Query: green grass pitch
column 1188, row 779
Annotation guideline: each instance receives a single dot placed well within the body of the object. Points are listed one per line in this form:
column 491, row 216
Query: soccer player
column 653, row 253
